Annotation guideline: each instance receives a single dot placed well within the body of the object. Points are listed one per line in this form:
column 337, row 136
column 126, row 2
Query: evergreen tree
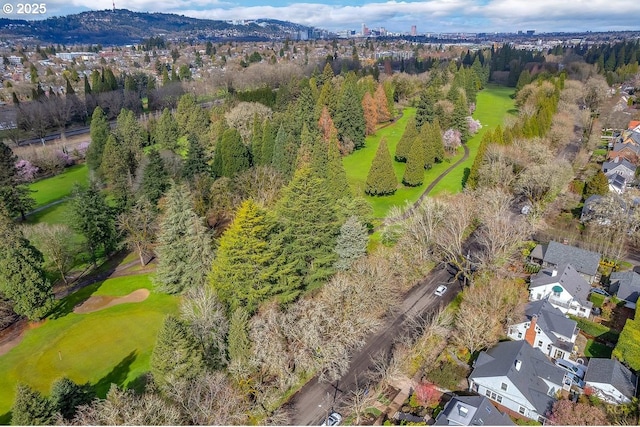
column 115, row 170
column 381, row 180
column 14, row 196
column 22, row 278
column 336, row 177
column 66, row 396
column 166, row 131
column 176, row 357
column 523, row 80
column 268, row 142
column 472, row 179
column 184, row 247
column 351, row 244
column 256, row 141
column 244, row 271
column 435, row 143
column 459, row 117
column 131, row 137
column 597, row 184
column 99, row 131
column 155, row 179
column 426, row 110
column 370, row 112
column 406, row 141
column 308, row 229
column 349, row 118
column 239, row 340
column 92, row 217
column 285, row 152
column 232, row 156
column 414, row 171
column 30, row 408
column 196, row 162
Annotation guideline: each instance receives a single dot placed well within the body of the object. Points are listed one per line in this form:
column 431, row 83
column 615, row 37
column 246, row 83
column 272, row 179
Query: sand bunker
column 101, row 302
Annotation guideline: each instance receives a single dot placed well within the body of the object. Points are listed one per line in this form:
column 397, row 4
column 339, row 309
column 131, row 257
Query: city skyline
column 395, row 16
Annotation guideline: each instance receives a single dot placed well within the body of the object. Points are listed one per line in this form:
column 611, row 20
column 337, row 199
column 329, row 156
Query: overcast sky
column 428, row 16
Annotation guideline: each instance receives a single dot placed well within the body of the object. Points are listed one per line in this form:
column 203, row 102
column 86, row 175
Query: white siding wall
column 609, row 393
column 559, row 301
column 511, row 398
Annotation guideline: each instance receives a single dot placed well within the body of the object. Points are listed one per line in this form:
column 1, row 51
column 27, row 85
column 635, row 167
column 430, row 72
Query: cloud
column 428, row 15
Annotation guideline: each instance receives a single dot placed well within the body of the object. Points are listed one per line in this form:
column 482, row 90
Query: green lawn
column 493, row 104
column 57, row 187
column 595, row 349
column 113, row 345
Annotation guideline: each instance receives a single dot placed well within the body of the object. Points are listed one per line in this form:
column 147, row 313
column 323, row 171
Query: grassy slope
column 493, row 104
column 110, row 345
column 51, row 189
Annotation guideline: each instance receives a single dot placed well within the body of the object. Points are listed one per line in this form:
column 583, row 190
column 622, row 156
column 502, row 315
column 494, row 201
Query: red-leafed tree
column 382, row 105
column 326, row 125
column 427, row 394
column 370, row 114
column 567, row 413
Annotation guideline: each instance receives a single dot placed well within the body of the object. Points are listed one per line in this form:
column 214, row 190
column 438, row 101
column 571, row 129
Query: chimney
column 518, row 365
column 554, row 272
column 530, row 334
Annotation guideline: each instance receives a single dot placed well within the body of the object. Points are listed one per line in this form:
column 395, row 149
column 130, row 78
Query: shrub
column 447, row 375
column 627, row 350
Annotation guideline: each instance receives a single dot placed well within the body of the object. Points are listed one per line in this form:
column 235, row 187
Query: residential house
column 584, row 261
column 626, row 286
column 471, row 411
column 564, row 288
column 617, row 183
column 629, row 152
column 546, row 328
column 619, row 173
column 634, row 125
column 631, row 137
column 519, row 378
column 611, row 381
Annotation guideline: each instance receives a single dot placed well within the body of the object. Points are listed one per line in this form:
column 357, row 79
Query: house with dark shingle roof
column 584, row 261
column 471, row 411
column 518, row 377
column 626, row 286
column 546, row 328
column 611, row 381
column 564, row 288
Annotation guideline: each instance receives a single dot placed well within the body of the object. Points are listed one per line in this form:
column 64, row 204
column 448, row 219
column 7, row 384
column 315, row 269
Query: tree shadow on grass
column 117, row 376
column 5, row 419
column 512, row 111
column 85, row 287
column 67, row 304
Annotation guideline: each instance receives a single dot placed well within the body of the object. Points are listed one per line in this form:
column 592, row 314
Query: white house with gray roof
column 611, row 381
column 471, row 411
column 518, row 377
column 553, row 254
column 626, row 286
column 564, row 288
column 546, row 328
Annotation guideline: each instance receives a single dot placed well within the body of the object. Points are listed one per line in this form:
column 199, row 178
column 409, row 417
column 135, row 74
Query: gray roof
column 538, row 252
column 501, row 361
column 584, row 261
column 607, row 167
column 612, row 372
column 617, row 181
column 550, row 319
column 620, row 146
column 568, row 278
column 472, row 411
column 626, row 285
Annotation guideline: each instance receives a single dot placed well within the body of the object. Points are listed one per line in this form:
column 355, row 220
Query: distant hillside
column 122, row 26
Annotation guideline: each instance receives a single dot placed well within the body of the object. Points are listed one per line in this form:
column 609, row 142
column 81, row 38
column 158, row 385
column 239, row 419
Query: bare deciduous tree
column 140, row 227
column 53, row 241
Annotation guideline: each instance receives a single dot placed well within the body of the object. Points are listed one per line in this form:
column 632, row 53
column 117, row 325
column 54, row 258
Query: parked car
column 572, row 367
column 333, row 419
column 441, row 290
column 601, row 292
column 573, row 379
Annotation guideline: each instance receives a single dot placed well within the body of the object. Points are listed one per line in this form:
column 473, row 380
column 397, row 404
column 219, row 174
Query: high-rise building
column 414, row 31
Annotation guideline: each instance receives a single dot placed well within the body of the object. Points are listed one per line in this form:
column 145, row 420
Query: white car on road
column 333, row 419
column 440, row 290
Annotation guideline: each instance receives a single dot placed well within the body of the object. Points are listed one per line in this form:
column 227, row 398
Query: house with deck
column 564, row 288
column 553, row 254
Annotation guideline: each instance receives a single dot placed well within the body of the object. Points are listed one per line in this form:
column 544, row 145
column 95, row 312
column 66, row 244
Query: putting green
column 112, row 345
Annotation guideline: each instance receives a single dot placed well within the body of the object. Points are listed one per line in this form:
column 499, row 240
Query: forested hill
column 123, row 26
